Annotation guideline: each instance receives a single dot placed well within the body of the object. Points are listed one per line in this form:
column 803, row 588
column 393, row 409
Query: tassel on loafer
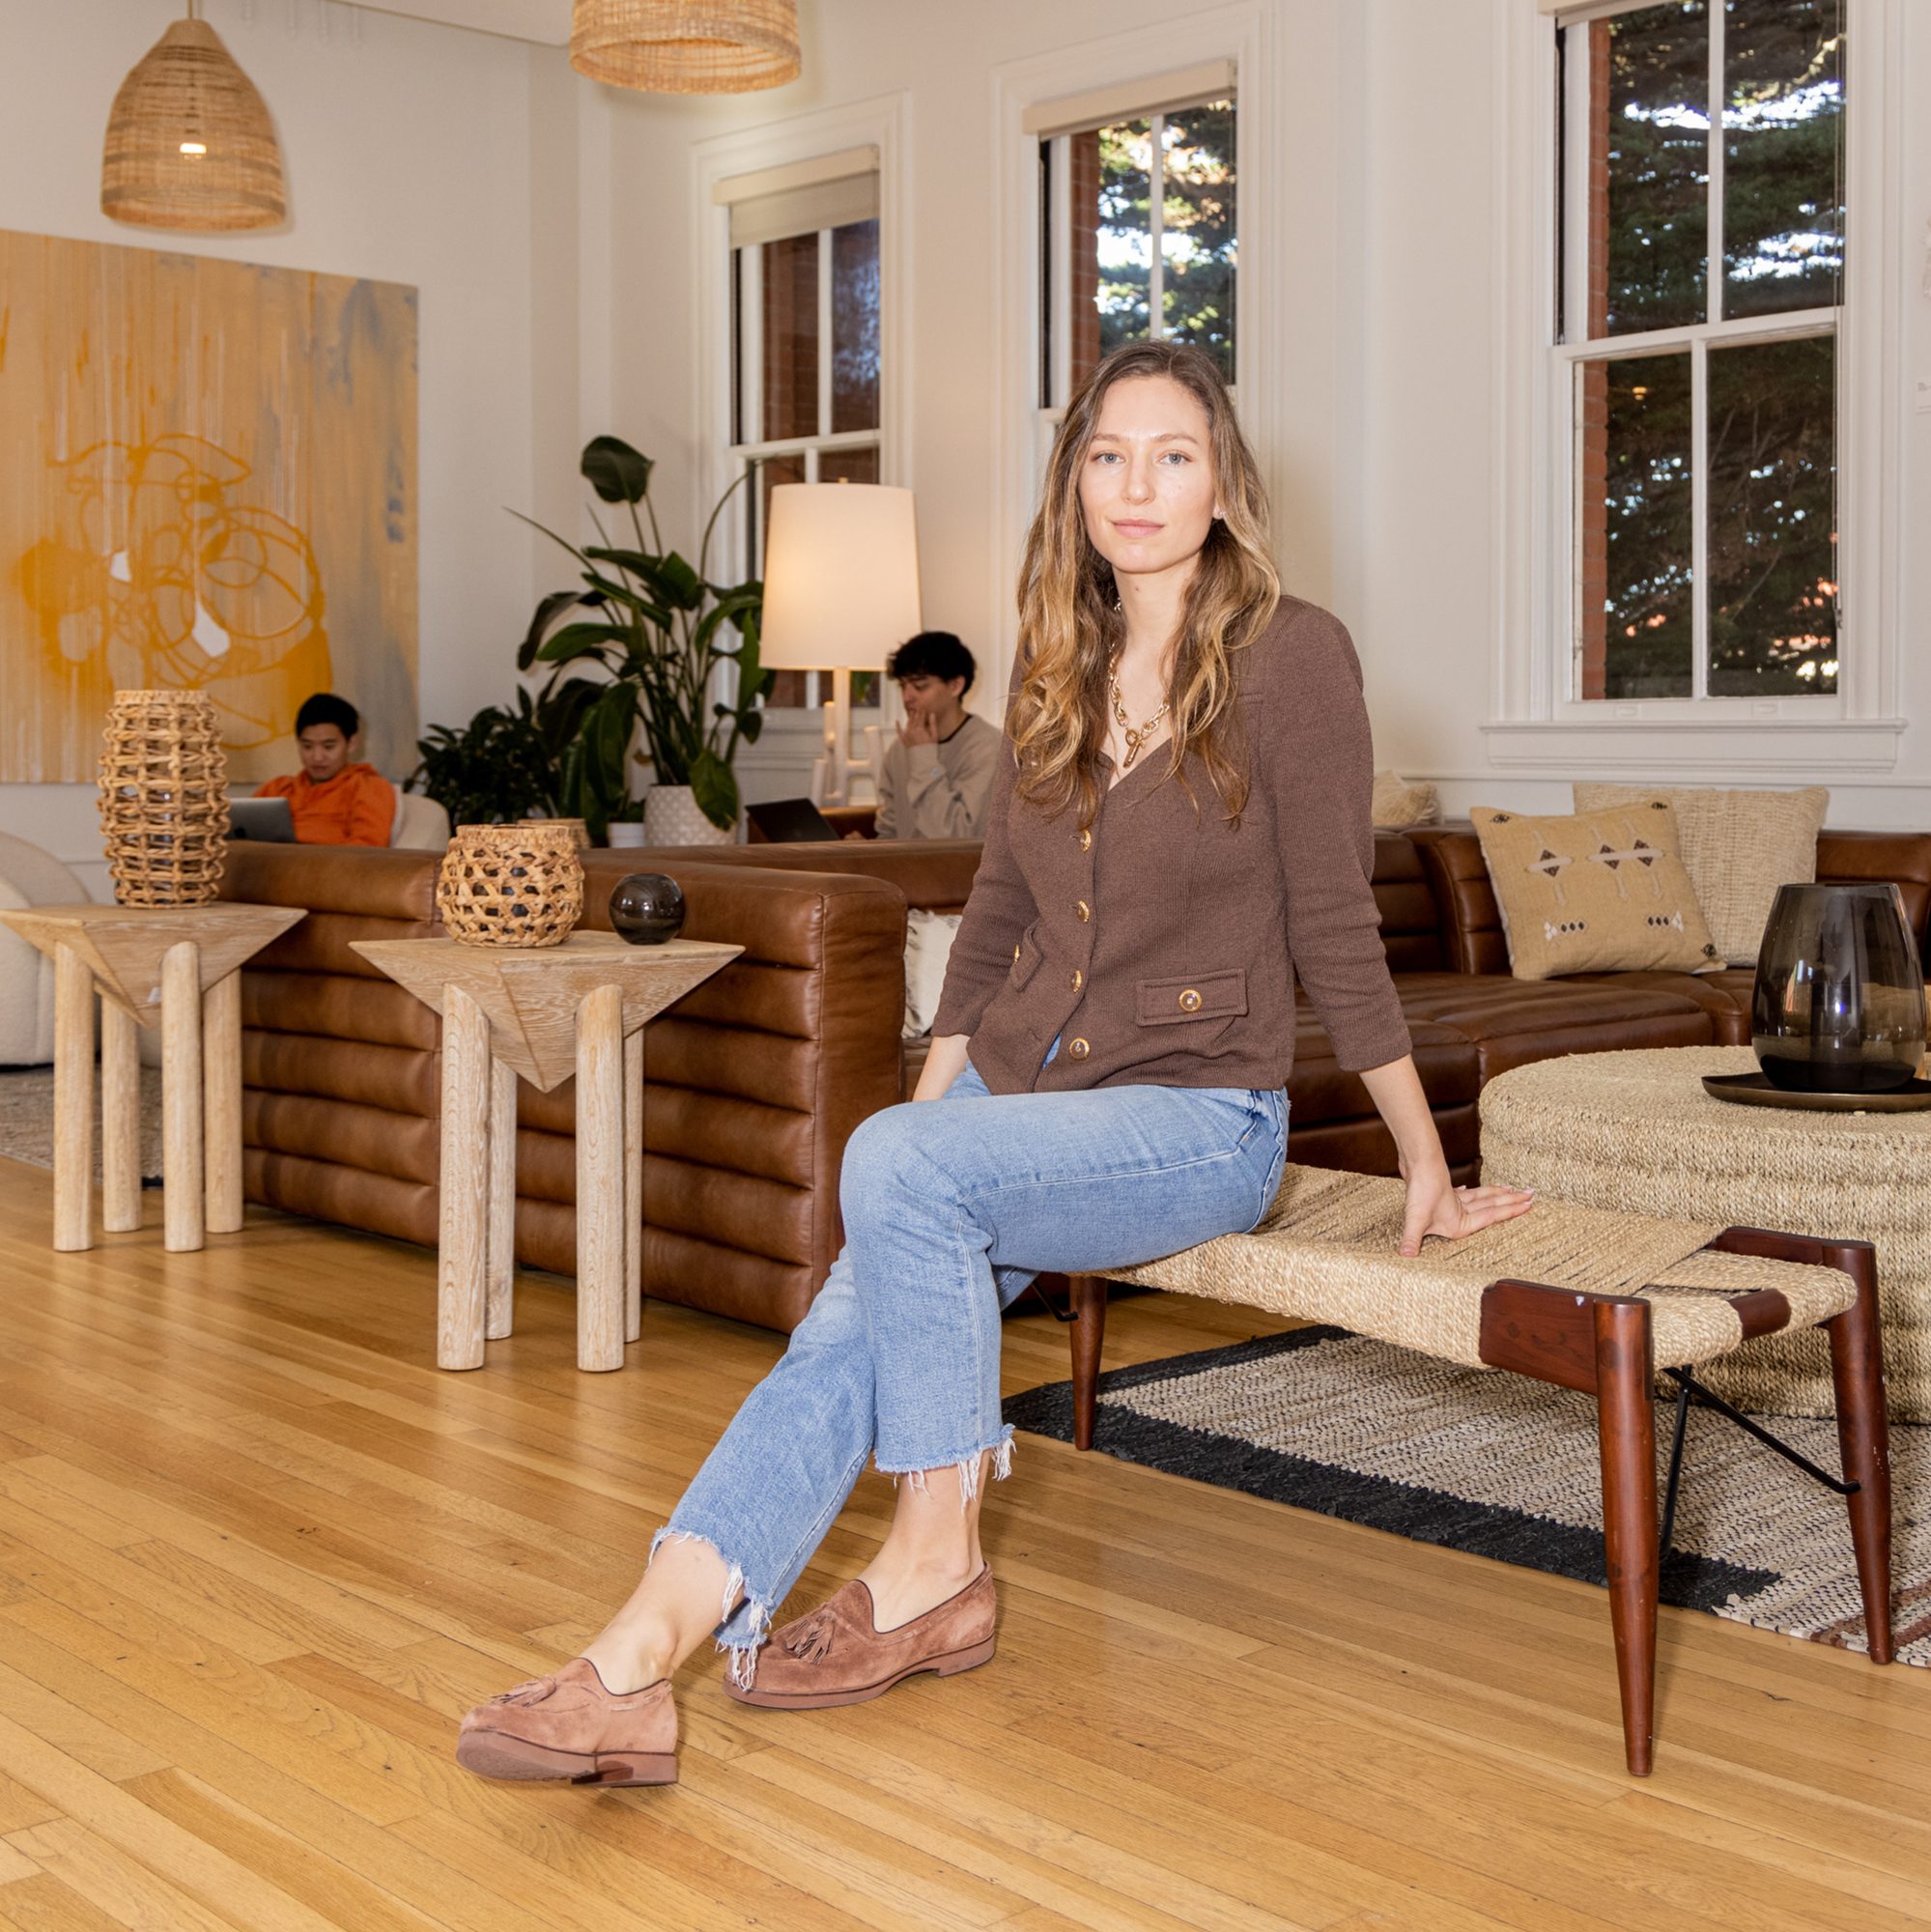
column 568, row 1726
column 836, row 1656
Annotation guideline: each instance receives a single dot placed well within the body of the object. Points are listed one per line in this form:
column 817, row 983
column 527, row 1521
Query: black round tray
column 1753, row 1090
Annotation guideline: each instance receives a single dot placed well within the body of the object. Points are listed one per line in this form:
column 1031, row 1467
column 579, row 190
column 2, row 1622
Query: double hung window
column 1139, row 231
column 1702, row 219
column 806, row 351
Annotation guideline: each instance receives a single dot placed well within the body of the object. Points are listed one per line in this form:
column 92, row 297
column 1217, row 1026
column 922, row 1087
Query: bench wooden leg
column 1626, row 1429
column 1864, row 1431
column 1088, row 1301
column 1863, row 1435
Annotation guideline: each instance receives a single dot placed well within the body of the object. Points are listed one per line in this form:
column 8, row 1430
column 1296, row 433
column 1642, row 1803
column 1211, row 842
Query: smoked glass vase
column 1839, row 1000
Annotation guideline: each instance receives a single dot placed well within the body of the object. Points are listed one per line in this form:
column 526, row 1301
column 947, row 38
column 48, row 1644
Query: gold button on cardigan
column 1178, row 901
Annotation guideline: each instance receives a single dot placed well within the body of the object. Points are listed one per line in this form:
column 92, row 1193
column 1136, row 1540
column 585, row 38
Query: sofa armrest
column 1468, row 912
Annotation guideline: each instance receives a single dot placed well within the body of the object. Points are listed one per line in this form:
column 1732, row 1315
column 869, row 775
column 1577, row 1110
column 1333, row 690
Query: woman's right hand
column 942, row 1065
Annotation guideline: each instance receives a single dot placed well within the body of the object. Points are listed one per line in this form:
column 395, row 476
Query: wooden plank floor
column 257, row 1555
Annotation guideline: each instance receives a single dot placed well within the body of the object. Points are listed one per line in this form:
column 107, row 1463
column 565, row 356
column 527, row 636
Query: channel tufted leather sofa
column 756, row 1080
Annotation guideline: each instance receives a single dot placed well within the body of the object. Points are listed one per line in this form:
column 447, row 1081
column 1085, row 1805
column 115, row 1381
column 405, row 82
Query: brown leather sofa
column 756, row 1080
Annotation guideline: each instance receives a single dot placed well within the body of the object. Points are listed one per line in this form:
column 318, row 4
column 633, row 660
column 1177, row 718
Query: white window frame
column 793, row 736
column 751, row 303
column 1538, row 721
column 1244, row 34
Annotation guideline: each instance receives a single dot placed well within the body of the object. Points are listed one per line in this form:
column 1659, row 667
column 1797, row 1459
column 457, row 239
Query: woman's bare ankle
column 906, row 1586
column 625, row 1663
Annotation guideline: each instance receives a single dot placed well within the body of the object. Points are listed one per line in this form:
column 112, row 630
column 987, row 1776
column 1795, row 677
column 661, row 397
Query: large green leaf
column 615, row 470
column 678, row 585
column 654, row 615
column 732, row 607
column 576, row 640
column 715, row 788
column 547, row 612
column 560, row 717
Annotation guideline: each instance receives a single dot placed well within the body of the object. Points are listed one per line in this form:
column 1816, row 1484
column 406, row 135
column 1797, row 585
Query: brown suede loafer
column 568, row 1726
column 836, row 1656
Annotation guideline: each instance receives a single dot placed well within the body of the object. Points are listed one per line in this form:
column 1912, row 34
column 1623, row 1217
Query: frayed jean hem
column 1000, row 1450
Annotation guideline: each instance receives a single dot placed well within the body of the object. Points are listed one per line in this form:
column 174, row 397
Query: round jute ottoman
column 1637, row 1131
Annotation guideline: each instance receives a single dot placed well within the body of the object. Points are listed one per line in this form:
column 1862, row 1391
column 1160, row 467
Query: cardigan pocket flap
column 1207, row 996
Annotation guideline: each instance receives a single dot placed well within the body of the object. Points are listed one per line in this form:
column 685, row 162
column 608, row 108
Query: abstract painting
column 207, row 483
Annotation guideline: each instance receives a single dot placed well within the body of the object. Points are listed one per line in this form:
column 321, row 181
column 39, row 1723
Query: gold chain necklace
column 1135, row 740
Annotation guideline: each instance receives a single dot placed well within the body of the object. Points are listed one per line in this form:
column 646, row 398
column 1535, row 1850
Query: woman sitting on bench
column 1179, row 826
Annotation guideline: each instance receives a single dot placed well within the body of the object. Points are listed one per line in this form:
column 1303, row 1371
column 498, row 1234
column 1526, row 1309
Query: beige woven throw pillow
column 1738, row 846
column 1605, row 892
column 1398, row 803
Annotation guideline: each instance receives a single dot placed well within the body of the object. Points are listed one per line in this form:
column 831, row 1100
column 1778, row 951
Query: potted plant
column 660, row 634
column 496, row 768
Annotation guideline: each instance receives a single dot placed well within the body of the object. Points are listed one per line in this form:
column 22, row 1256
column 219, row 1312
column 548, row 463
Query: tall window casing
column 806, row 361
column 1701, row 264
column 1138, row 224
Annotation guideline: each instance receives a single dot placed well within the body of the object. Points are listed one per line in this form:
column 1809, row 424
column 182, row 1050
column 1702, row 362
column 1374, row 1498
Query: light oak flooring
column 257, row 1555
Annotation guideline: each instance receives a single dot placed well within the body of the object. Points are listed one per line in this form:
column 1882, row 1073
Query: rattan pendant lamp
column 685, row 46
column 190, row 144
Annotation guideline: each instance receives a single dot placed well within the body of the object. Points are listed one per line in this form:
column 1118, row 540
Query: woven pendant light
column 190, row 144
column 685, row 46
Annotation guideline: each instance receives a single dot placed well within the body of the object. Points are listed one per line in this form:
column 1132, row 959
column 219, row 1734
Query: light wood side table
column 178, row 968
column 544, row 1013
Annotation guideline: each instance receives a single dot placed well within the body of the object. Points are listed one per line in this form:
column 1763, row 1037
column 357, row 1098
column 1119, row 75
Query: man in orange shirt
column 334, row 802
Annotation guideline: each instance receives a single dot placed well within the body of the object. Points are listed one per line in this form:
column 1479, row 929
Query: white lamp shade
column 840, row 577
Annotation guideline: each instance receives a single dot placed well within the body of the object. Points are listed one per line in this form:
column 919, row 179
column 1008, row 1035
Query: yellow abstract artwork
column 207, row 483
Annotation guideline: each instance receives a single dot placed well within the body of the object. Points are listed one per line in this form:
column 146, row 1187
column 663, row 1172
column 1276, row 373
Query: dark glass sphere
column 1838, row 1005
column 647, row 908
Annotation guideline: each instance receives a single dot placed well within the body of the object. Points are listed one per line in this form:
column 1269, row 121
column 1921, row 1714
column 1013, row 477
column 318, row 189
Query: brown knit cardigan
column 1162, row 948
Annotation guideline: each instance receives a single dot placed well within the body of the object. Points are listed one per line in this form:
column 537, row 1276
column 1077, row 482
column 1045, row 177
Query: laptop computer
column 790, row 822
column 265, row 818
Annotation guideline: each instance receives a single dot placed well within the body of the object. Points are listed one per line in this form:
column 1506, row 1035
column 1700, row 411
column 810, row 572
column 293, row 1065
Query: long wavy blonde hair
column 1071, row 626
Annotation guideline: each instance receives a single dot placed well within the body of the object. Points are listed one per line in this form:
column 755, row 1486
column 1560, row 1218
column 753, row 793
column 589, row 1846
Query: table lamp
column 840, row 594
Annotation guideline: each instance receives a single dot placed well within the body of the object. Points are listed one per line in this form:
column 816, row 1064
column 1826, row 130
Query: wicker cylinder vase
column 163, row 798
column 510, row 885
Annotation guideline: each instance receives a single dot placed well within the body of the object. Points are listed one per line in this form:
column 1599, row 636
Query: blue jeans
column 951, row 1208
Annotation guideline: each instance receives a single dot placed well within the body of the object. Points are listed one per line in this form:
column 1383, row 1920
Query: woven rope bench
column 1579, row 1297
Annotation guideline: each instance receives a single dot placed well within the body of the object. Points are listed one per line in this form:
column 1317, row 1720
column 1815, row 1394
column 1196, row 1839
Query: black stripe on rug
column 1689, row 1580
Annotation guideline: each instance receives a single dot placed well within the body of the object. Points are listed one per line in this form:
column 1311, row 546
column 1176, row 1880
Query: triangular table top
column 124, row 946
column 530, row 994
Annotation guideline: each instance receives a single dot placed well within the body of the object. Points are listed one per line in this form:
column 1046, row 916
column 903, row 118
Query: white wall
column 417, row 153
column 1384, row 457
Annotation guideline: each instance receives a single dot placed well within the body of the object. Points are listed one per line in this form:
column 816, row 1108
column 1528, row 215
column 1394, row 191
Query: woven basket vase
column 510, row 885
column 163, row 798
column 685, row 46
column 187, row 92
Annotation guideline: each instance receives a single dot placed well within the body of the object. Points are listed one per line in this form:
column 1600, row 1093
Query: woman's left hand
column 1435, row 1205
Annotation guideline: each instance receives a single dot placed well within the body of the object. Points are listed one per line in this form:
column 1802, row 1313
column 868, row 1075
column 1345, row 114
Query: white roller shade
column 802, row 197
column 1129, row 100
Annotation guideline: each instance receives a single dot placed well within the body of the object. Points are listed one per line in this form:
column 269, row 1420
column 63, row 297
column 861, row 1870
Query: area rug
column 1506, row 1467
column 27, row 1120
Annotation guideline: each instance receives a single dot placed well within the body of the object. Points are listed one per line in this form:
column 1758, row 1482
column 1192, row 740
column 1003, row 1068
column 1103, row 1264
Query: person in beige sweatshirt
column 937, row 778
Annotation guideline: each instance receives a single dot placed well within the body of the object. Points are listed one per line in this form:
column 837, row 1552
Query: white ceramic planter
column 671, row 817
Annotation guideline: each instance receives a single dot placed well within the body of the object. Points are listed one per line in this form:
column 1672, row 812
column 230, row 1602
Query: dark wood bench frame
column 1601, row 1344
